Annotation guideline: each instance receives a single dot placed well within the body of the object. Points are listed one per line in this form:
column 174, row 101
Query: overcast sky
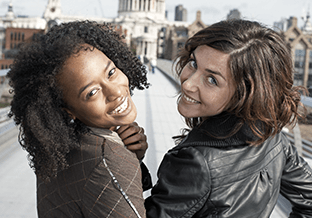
column 264, row 11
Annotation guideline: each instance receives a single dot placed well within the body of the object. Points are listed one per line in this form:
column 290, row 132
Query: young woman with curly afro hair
column 72, row 100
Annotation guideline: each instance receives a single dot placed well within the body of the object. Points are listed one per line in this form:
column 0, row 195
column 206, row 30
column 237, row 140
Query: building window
column 11, row 36
column 125, row 5
column 145, row 49
column 15, row 36
column 19, row 36
column 310, row 72
column 299, row 66
column 310, row 63
column 299, row 60
column 23, row 36
column 145, row 29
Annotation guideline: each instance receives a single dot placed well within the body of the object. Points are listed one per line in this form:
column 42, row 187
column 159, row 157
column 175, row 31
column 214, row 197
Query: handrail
column 4, row 72
column 306, row 145
column 4, row 113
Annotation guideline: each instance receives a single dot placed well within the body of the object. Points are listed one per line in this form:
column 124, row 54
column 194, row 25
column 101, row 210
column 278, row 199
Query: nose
column 112, row 91
column 190, row 81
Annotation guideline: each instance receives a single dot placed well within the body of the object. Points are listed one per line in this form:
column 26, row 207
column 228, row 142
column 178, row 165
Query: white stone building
column 143, row 20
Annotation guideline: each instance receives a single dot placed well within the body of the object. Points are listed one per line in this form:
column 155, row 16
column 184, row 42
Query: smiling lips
column 188, row 99
column 121, row 108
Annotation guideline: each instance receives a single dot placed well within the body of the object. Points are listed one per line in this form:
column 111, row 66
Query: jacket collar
column 216, row 132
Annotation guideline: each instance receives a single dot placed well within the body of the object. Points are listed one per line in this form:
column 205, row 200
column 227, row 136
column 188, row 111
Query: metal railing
column 4, row 113
column 4, row 81
column 306, row 145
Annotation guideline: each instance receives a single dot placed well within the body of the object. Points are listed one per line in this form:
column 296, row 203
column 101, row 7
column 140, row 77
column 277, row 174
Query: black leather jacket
column 208, row 177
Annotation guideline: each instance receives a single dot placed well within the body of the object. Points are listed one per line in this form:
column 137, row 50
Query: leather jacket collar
column 217, row 131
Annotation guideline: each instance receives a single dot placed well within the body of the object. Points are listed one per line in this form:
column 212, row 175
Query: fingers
column 140, row 146
column 130, row 130
column 134, row 138
column 123, row 128
column 139, row 149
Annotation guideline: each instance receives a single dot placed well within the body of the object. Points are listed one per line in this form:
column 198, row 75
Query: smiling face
column 96, row 91
column 206, row 84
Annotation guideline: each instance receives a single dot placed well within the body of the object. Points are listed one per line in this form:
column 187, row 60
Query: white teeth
column 189, row 99
column 121, row 108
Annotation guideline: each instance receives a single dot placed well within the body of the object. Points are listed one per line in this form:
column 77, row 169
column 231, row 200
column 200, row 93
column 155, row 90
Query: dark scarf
column 216, row 132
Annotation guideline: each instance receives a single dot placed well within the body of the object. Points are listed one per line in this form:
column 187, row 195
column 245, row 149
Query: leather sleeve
column 183, row 185
column 296, row 183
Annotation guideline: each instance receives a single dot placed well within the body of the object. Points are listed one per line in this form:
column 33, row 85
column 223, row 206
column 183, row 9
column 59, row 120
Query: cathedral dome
column 142, row 8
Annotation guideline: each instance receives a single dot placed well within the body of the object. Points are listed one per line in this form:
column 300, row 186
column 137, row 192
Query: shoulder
column 91, row 146
column 183, row 185
column 82, row 160
column 182, row 156
column 182, row 166
column 64, row 192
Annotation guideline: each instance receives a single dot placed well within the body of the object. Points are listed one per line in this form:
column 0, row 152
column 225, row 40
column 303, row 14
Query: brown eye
column 90, row 94
column 111, row 72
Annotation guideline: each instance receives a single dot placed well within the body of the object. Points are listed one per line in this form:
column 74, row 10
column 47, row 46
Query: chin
column 185, row 115
column 132, row 116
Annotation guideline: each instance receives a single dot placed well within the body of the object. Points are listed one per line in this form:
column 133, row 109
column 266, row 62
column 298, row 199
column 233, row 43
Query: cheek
column 123, row 79
column 232, row 91
column 185, row 73
column 227, row 97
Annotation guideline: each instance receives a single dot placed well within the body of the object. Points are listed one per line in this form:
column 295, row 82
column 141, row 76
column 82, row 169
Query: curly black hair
column 38, row 107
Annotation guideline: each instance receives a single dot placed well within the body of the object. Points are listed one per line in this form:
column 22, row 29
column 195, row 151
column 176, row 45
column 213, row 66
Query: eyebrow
column 85, row 87
column 208, row 70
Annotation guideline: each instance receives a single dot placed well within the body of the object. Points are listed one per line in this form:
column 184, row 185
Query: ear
column 70, row 114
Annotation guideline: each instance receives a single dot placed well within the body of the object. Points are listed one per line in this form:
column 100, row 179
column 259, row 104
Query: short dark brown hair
column 262, row 69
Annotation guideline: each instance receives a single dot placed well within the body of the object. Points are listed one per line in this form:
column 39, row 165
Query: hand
column 134, row 138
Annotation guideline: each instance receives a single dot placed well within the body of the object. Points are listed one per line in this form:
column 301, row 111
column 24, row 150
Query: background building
column 234, row 14
column 180, row 13
column 300, row 41
column 148, row 32
column 15, row 30
column 142, row 22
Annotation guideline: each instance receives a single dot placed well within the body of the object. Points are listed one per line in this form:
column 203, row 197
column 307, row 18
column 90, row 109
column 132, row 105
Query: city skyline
column 264, row 11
